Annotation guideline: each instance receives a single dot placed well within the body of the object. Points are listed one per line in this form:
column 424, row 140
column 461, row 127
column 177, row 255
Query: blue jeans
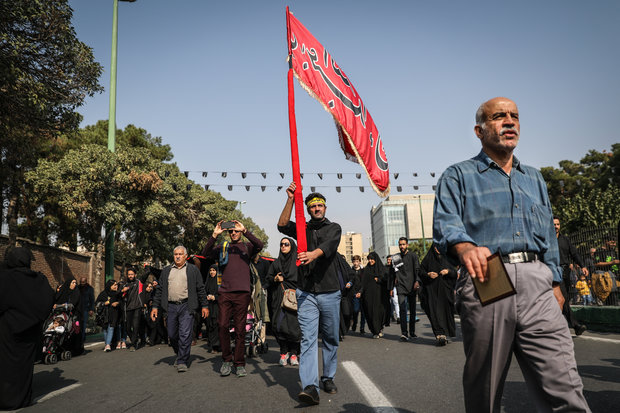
column 180, row 325
column 108, row 334
column 316, row 311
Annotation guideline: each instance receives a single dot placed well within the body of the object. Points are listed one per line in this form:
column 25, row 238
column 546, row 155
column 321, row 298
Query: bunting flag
column 319, row 74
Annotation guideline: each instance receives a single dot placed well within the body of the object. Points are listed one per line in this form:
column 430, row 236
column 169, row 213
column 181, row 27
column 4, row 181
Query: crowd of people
column 311, row 293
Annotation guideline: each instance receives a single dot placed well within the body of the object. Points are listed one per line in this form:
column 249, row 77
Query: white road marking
column 98, row 343
column 57, row 392
column 372, row 394
column 606, row 340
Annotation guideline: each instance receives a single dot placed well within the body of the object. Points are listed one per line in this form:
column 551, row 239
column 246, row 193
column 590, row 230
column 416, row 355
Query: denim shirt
column 477, row 202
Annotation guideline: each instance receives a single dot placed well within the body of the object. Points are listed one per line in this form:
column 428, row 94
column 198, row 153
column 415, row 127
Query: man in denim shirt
column 494, row 203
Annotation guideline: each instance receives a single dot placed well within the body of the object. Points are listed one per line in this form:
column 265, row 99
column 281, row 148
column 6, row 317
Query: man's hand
column 124, row 290
column 585, row 271
column 205, row 312
column 217, row 230
column 290, row 191
column 473, row 258
column 558, row 295
column 239, row 227
column 416, row 285
column 154, row 314
column 308, row 256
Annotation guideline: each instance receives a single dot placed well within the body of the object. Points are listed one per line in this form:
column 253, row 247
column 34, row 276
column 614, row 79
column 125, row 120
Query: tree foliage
column 586, row 194
column 45, row 74
column 151, row 204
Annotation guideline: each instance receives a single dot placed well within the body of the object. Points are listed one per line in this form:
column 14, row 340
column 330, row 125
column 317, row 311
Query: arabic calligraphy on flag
column 319, row 74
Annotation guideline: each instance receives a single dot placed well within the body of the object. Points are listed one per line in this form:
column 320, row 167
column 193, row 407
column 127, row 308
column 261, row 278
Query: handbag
column 289, row 299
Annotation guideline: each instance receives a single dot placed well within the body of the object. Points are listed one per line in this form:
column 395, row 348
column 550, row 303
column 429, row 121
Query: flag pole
column 300, row 218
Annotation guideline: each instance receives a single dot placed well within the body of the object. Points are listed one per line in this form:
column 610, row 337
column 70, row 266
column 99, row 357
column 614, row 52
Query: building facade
column 409, row 216
column 350, row 245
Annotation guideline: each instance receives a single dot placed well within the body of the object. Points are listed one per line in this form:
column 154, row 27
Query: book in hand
column 497, row 284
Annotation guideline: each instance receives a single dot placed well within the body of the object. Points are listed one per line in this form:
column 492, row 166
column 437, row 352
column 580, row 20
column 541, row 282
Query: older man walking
column 182, row 293
column 493, row 203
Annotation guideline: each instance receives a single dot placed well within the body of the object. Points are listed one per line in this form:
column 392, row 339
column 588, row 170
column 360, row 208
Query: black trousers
column 404, row 301
column 134, row 323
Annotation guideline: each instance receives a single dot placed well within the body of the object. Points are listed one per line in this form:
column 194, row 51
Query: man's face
column 556, row 225
column 389, row 260
column 500, row 132
column 131, row 275
column 83, row 281
column 235, row 235
column 317, row 210
column 356, row 264
column 180, row 256
column 402, row 246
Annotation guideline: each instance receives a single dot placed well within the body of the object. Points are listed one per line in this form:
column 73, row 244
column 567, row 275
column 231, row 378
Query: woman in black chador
column 437, row 297
column 26, row 300
column 373, row 276
column 283, row 275
column 211, row 288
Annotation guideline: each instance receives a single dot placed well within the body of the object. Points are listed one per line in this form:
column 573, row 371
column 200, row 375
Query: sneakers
column 241, row 371
column 441, row 340
column 107, row 348
column 226, row 368
column 294, row 361
column 181, row 368
column 375, row 336
column 283, row 359
column 579, row 330
column 329, row 386
column 309, row 395
column 403, row 337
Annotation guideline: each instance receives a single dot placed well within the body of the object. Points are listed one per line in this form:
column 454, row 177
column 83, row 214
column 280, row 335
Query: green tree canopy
column 586, row 194
column 45, row 74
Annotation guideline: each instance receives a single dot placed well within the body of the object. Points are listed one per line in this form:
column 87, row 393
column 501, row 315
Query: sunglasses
column 230, row 231
column 285, row 244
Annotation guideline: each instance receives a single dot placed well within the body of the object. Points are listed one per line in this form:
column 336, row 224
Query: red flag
column 320, row 75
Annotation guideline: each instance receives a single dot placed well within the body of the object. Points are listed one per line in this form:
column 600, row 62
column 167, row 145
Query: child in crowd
column 584, row 290
column 57, row 325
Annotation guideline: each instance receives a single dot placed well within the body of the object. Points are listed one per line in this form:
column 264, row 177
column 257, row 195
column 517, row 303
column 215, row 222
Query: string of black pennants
column 320, row 175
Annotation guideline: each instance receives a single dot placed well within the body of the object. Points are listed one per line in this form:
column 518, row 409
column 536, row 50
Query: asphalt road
column 373, row 375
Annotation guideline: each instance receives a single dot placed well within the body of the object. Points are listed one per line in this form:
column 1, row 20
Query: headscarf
column 288, row 260
column 215, row 267
column 66, row 294
column 376, row 270
column 19, row 257
column 108, row 288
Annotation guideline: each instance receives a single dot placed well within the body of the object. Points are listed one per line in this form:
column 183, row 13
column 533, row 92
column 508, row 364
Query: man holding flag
column 318, row 295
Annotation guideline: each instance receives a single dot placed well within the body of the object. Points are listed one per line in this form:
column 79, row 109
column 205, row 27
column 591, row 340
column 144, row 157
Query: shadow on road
column 44, row 382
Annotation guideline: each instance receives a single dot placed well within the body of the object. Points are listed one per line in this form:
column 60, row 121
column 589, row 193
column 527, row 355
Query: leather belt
column 518, row 257
column 178, row 302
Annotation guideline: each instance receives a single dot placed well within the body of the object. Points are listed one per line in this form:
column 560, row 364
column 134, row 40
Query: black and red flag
column 319, row 74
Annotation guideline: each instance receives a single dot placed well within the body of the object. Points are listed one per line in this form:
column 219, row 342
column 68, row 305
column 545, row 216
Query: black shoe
column 362, row 331
column 329, row 386
column 580, row 329
column 413, row 335
column 309, row 395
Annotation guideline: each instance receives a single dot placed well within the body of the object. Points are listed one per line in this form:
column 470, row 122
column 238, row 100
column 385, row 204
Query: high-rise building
column 350, row 245
column 409, row 216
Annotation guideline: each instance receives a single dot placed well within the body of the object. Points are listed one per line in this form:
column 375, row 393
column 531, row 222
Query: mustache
column 508, row 129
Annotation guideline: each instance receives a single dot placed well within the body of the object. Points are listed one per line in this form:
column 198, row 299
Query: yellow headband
column 315, row 200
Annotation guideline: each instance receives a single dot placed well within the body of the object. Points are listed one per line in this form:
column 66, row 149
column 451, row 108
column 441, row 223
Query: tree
column 45, row 74
column 418, row 247
column 586, row 194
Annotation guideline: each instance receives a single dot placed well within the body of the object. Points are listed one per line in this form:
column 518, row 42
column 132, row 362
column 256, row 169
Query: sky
column 209, row 78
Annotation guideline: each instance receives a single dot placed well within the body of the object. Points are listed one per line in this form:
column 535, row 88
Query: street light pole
column 109, row 237
column 422, row 224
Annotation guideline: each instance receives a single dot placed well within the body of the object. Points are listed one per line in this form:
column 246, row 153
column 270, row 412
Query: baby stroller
column 57, row 341
column 255, row 341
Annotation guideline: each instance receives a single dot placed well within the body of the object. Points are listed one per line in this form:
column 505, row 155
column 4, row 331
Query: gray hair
column 480, row 116
column 178, row 247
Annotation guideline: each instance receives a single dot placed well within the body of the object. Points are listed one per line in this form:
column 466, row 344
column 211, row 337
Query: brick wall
column 59, row 264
